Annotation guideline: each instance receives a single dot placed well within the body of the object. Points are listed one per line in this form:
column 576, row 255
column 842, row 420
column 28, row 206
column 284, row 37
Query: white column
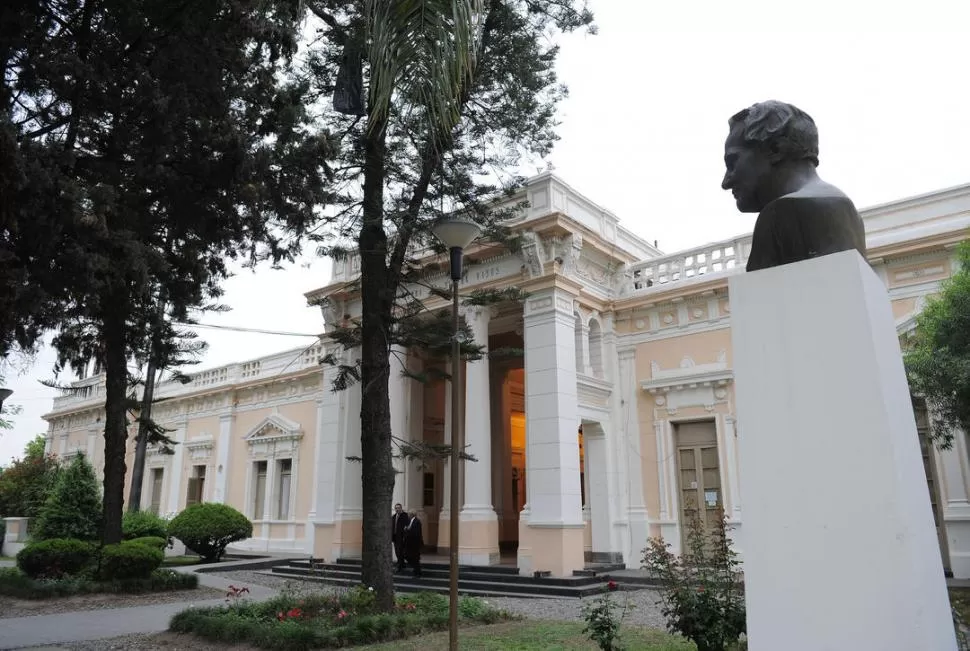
column 413, row 471
column 223, row 444
column 555, row 518
column 444, row 532
column 954, row 475
column 478, row 544
column 399, row 396
column 478, row 426
column 172, row 504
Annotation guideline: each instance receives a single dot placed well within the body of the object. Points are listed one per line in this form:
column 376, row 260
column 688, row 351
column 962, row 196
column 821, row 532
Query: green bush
column 14, row 583
column 55, row 558
column 701, row 590
column 318, row 621
column 73, row 509
column 207, row 529
column 152, row 541
column 26, row 483
column 129, row 561
column 142, row 524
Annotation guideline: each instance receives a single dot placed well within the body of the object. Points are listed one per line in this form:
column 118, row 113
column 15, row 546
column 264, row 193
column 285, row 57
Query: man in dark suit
column 399, row 522
column 771, row 154
column 413, row 542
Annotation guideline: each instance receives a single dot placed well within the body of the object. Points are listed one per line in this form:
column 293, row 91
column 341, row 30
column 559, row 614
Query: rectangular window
column 428, row 493
column 196, row 491
column 156, row 490
column 259, row 489
column 283, row 481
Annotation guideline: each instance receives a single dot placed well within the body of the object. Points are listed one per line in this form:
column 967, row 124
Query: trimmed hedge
column 143, row 524
column 129, row 561
column 14, row 583
column 208, row 528
column 56, row 557
column 151, row 541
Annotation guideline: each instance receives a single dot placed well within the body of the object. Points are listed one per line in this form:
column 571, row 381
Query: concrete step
column 437, row 571
column 403, row 583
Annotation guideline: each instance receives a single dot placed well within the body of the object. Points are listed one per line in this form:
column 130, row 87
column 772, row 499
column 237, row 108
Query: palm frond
column 424, row 50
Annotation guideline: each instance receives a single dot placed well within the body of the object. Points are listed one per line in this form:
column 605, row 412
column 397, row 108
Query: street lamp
column 4, row 394
column 456, row 234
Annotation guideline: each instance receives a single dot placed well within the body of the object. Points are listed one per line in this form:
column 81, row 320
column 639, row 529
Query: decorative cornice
column 717, row 377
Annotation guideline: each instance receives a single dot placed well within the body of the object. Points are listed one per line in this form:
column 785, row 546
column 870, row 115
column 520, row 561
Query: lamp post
column 456, row 234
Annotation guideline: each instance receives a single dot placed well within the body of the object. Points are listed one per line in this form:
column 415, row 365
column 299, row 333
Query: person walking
column 413, row 542
column 399, row 522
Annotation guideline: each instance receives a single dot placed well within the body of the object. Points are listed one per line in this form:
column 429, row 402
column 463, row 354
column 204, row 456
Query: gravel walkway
column 644, row 610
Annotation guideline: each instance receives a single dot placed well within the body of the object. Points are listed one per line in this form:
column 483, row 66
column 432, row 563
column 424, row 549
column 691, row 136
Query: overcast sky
column 643, row 129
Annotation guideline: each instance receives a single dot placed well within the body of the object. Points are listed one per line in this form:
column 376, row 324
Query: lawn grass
column 531, row 635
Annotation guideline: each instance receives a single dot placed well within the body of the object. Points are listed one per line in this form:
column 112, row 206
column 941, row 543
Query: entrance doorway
column 699, row 474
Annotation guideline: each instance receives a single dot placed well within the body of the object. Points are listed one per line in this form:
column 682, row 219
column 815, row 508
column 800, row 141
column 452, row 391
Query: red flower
column 611, row 586
column 280, row 616
column 294, row 613
column 341, row 614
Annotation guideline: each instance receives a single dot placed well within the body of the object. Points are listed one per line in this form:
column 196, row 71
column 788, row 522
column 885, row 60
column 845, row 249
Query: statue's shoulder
column 812, row 197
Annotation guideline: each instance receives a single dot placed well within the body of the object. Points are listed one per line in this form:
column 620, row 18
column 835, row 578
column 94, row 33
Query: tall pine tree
column 177, row 141
column 454, row 94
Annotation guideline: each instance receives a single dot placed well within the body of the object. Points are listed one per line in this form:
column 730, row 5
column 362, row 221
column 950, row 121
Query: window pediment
column 274, row 435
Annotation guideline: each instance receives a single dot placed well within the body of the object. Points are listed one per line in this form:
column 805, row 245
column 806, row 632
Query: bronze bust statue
column 771, row 154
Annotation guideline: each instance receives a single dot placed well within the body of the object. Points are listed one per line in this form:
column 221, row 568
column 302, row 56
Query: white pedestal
column 840, row 547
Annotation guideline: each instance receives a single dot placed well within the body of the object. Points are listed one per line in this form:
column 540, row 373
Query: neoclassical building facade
column 616, row 424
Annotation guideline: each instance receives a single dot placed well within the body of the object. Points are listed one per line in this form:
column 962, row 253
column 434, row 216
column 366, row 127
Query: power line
column 241, row 329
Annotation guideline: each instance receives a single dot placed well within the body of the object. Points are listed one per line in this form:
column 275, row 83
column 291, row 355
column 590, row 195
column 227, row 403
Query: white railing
column 90, row 391
column 704, row 260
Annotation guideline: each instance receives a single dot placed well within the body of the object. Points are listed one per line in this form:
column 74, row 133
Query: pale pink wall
column 703, row 348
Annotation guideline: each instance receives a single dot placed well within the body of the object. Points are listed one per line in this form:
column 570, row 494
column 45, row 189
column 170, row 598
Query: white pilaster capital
column 626, row 354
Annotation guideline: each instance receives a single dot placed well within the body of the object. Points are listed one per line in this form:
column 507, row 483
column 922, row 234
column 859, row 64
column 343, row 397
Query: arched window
column 596, row 348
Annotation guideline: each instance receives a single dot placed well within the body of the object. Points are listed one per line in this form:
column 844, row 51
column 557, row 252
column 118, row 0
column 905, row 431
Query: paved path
column 82, row 626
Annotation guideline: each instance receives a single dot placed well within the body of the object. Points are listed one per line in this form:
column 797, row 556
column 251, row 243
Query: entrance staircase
column 473, row 580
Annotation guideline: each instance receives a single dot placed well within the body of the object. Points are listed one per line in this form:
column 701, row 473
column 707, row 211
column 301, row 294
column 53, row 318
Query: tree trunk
column 141, row 442
column 115, row 424
column 377, row 471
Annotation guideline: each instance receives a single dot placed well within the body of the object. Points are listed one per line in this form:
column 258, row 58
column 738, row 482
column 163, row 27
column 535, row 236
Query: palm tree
column 425, row 52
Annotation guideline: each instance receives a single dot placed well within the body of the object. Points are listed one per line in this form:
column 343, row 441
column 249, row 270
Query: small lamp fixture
column 4, row 394
column 456, row 234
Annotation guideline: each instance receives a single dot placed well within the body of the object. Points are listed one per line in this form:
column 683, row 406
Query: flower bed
column 14, row 583
column 327, row 621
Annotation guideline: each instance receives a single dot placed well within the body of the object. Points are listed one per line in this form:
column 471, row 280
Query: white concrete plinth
column 840, row 546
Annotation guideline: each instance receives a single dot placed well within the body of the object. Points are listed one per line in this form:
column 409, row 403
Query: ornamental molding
column 593, row 391
column 200, row 449
column 689, row 385
column 274, row 436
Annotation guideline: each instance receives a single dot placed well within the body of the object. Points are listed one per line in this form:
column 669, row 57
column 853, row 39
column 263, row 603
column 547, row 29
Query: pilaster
column 632, row 458
column 329, row 465
column 223, row 444
column 348, row 533
column 172, row 504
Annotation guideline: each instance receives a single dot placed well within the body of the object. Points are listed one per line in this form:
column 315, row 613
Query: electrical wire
column 241, row 329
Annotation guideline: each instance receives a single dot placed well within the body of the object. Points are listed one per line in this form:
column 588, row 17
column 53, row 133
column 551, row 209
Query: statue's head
column 764, row 143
